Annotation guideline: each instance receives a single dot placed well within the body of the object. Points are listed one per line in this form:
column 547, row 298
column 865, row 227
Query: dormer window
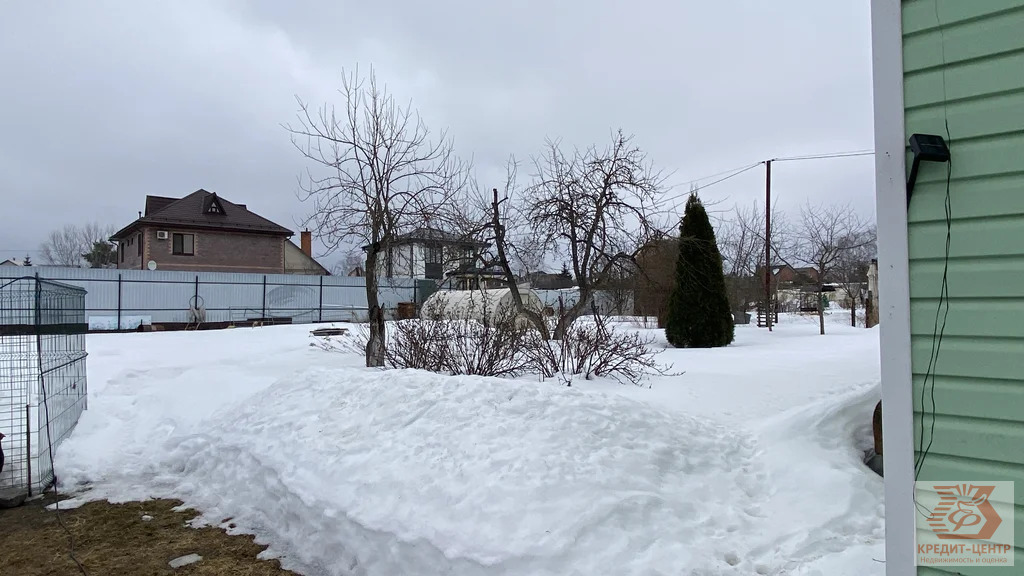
column 212, row 205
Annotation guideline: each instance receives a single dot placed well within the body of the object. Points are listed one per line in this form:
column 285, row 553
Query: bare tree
column 656, row 278
column 595, row 209
column 742, row 246
column 740, row 235
column 68, row 246
column 828, row 234
column 522, row 248
column 377, row 173
column 851, row 272
column 351, row 260
column 500, row 220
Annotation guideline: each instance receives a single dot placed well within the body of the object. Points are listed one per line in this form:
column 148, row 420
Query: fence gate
column 42, row 376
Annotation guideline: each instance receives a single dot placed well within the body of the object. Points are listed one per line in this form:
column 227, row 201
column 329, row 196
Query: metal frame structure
column 42, row 376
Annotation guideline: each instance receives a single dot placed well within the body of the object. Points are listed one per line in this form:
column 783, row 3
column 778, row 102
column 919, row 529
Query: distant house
column 299, row 259
column 548, row 281
column 786, row 275
column 204, row 232
column 476, row 278
column 428, row 253
column 12, row 262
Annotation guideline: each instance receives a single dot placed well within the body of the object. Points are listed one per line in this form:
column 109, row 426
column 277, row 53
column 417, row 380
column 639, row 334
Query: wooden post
column 768, row 308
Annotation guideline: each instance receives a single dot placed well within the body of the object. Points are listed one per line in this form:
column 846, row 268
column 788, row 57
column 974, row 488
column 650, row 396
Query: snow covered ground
column 748, row 463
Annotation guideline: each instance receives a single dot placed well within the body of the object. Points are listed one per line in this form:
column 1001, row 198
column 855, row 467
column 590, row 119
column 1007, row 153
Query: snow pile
column 818, row 450
column 408, row 472
column 748, row 463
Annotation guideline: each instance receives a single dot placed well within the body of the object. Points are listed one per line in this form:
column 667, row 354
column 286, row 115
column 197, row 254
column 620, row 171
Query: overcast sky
column 103, row 102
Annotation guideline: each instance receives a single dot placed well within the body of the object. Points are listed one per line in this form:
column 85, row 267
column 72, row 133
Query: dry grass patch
column 114, row 540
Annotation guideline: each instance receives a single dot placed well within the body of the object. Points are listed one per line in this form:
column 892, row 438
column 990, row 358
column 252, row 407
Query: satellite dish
column 151, row 265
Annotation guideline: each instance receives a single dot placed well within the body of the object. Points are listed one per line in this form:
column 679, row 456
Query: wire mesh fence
column 42, row 376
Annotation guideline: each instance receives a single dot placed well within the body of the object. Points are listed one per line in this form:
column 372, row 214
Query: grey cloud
column 104, row 102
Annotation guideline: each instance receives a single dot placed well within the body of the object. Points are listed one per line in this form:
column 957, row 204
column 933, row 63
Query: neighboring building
column 12, row 262
column 427, row 253
column 786, row 275
column 299, row 260
column 475, row 278
column 952, row 402
column 657, row 278
column 548, row 281
column 207, row 233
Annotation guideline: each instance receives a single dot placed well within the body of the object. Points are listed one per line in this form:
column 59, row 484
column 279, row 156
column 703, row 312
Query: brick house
column 203, row 232
column 787, row 275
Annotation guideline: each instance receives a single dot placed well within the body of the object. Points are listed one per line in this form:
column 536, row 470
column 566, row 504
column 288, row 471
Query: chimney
column 307, row 243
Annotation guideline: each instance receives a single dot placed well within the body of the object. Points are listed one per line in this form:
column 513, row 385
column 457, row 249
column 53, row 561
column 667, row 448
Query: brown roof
column 158, row 203
column 192, row 211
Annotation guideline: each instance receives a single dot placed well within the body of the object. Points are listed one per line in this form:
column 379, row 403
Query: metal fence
column 124, row 299
column 42, row 376
column 618, row 302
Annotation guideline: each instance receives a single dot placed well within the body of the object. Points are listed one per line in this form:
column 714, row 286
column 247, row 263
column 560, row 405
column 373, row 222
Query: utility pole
column 768, row 308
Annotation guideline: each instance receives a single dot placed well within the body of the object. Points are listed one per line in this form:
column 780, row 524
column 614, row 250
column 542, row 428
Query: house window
column 433, row 254
column 183, row 244
column 121, row 250
column 140, row 244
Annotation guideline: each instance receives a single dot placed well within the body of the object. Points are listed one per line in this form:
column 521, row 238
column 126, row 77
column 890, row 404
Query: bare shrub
column 498, row 350
column 591, row 347
column 504, row 345
column 417, row 344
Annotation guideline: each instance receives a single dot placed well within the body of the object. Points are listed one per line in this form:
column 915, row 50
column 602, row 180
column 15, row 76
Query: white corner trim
column 894, row 288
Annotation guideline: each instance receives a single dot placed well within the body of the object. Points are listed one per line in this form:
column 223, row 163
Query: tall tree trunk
column 375, row 343
column 853, row 312
column 566, row 317
column 510, row 278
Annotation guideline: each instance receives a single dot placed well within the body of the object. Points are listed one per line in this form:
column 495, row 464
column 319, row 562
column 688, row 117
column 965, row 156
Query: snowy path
column 807, row 401
column 746, row 464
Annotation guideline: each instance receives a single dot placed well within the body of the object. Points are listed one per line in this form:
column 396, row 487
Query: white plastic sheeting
column 485, row 306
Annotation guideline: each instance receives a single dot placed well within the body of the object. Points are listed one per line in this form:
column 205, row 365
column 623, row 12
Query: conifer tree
column 698, row 310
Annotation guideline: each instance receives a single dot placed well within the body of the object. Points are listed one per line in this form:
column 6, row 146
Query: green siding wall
column 979, row 385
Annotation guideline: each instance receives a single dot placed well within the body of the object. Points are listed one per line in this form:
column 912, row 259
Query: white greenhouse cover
column 474, row 304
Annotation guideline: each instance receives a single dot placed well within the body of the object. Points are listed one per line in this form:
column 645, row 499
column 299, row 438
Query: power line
column 829, row 155
column 734, row 172
column 751, row 167
column 718, row 174
column 741, row 169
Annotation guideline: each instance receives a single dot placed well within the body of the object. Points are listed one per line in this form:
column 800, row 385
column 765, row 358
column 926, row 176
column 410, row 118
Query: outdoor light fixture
column 927, row 148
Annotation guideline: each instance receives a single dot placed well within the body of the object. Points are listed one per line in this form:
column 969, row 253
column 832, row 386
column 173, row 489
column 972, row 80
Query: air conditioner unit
column 161, row 235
